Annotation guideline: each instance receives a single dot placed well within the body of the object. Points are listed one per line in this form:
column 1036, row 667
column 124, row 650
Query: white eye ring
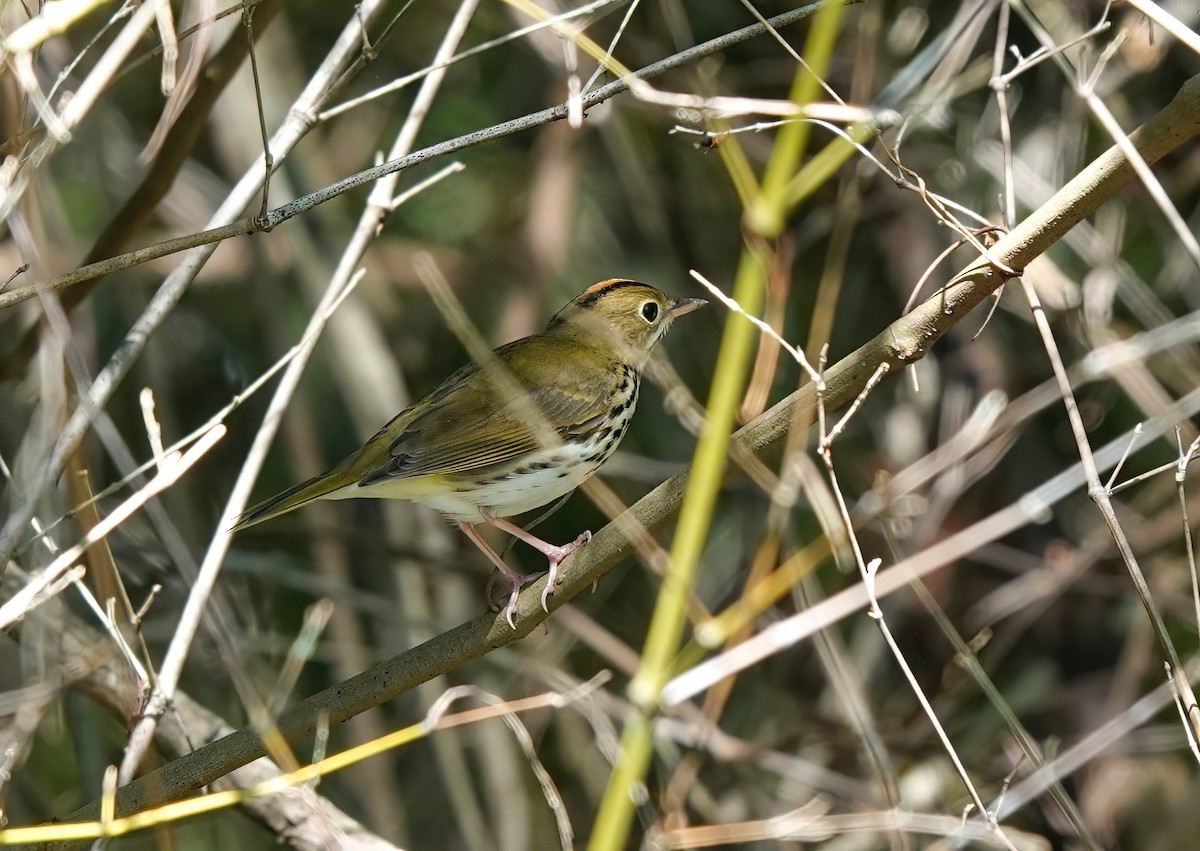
column 649, row 311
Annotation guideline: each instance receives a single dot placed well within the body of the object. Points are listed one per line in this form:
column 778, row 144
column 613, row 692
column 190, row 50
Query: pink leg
column 550, row 551
column 515, row 580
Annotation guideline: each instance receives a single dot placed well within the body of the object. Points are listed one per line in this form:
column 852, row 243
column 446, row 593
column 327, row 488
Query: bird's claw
column 555, row 560
column 510, row 610
column 515, row 586
column 555, row 556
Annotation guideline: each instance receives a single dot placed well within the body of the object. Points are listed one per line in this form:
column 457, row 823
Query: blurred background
column 529, row 222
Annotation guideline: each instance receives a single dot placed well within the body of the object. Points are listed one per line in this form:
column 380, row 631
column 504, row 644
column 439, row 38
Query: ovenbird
column 500, row 438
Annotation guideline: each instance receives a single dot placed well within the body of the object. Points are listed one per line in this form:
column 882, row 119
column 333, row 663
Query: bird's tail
column 290, row 499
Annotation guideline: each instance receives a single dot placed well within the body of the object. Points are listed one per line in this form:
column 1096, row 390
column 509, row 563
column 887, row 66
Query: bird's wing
column 469, row 425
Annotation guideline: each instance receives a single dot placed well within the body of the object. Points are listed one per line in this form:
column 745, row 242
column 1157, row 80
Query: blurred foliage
column 531, row 221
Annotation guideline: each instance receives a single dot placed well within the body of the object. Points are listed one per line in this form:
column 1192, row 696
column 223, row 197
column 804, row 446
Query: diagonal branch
column 177, row 145
column 93, row 666
column 906, row 340
column 172, row 290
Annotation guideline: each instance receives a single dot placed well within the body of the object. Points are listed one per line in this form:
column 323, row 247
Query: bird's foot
column 556, row 557
column 516, row 582
column 553, row 554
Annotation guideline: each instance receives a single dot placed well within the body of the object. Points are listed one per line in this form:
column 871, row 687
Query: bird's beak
column 680, row 306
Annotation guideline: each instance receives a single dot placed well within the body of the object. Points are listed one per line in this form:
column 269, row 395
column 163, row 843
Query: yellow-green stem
column 708, row 472
column 616, row 808
column 766, row 216
column 666, row 626
column 825, row 163
column 769, row 215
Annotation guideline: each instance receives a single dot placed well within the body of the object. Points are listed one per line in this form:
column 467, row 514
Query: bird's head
column 627, row 315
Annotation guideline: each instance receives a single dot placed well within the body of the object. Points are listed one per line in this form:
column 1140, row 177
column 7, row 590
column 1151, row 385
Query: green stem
column 708, row 472
column 825, row 164
column 767, row 217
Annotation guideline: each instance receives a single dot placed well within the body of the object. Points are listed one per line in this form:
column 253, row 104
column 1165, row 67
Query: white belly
column 514, row 493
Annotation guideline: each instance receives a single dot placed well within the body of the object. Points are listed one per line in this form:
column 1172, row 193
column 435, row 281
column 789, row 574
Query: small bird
column 523, row 429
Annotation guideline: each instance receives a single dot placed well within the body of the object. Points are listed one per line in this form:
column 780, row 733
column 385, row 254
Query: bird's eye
column 649, row 311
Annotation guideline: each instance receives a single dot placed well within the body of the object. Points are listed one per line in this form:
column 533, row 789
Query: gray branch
column 903, row 342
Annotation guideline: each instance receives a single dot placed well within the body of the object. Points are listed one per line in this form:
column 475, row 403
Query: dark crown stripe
column 600, row 290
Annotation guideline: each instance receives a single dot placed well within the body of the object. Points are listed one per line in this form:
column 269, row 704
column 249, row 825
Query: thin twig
column 1029, row 508
column 82, row 100
column 1168, row 22
column 1108, row 486
column 279, row 215
column 1185, row 458
column 397, row 85
column 906, row 339
column 174, row 467
column 268, row 160
column 869, row 570
column 177, row 283
column 1102, row 114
